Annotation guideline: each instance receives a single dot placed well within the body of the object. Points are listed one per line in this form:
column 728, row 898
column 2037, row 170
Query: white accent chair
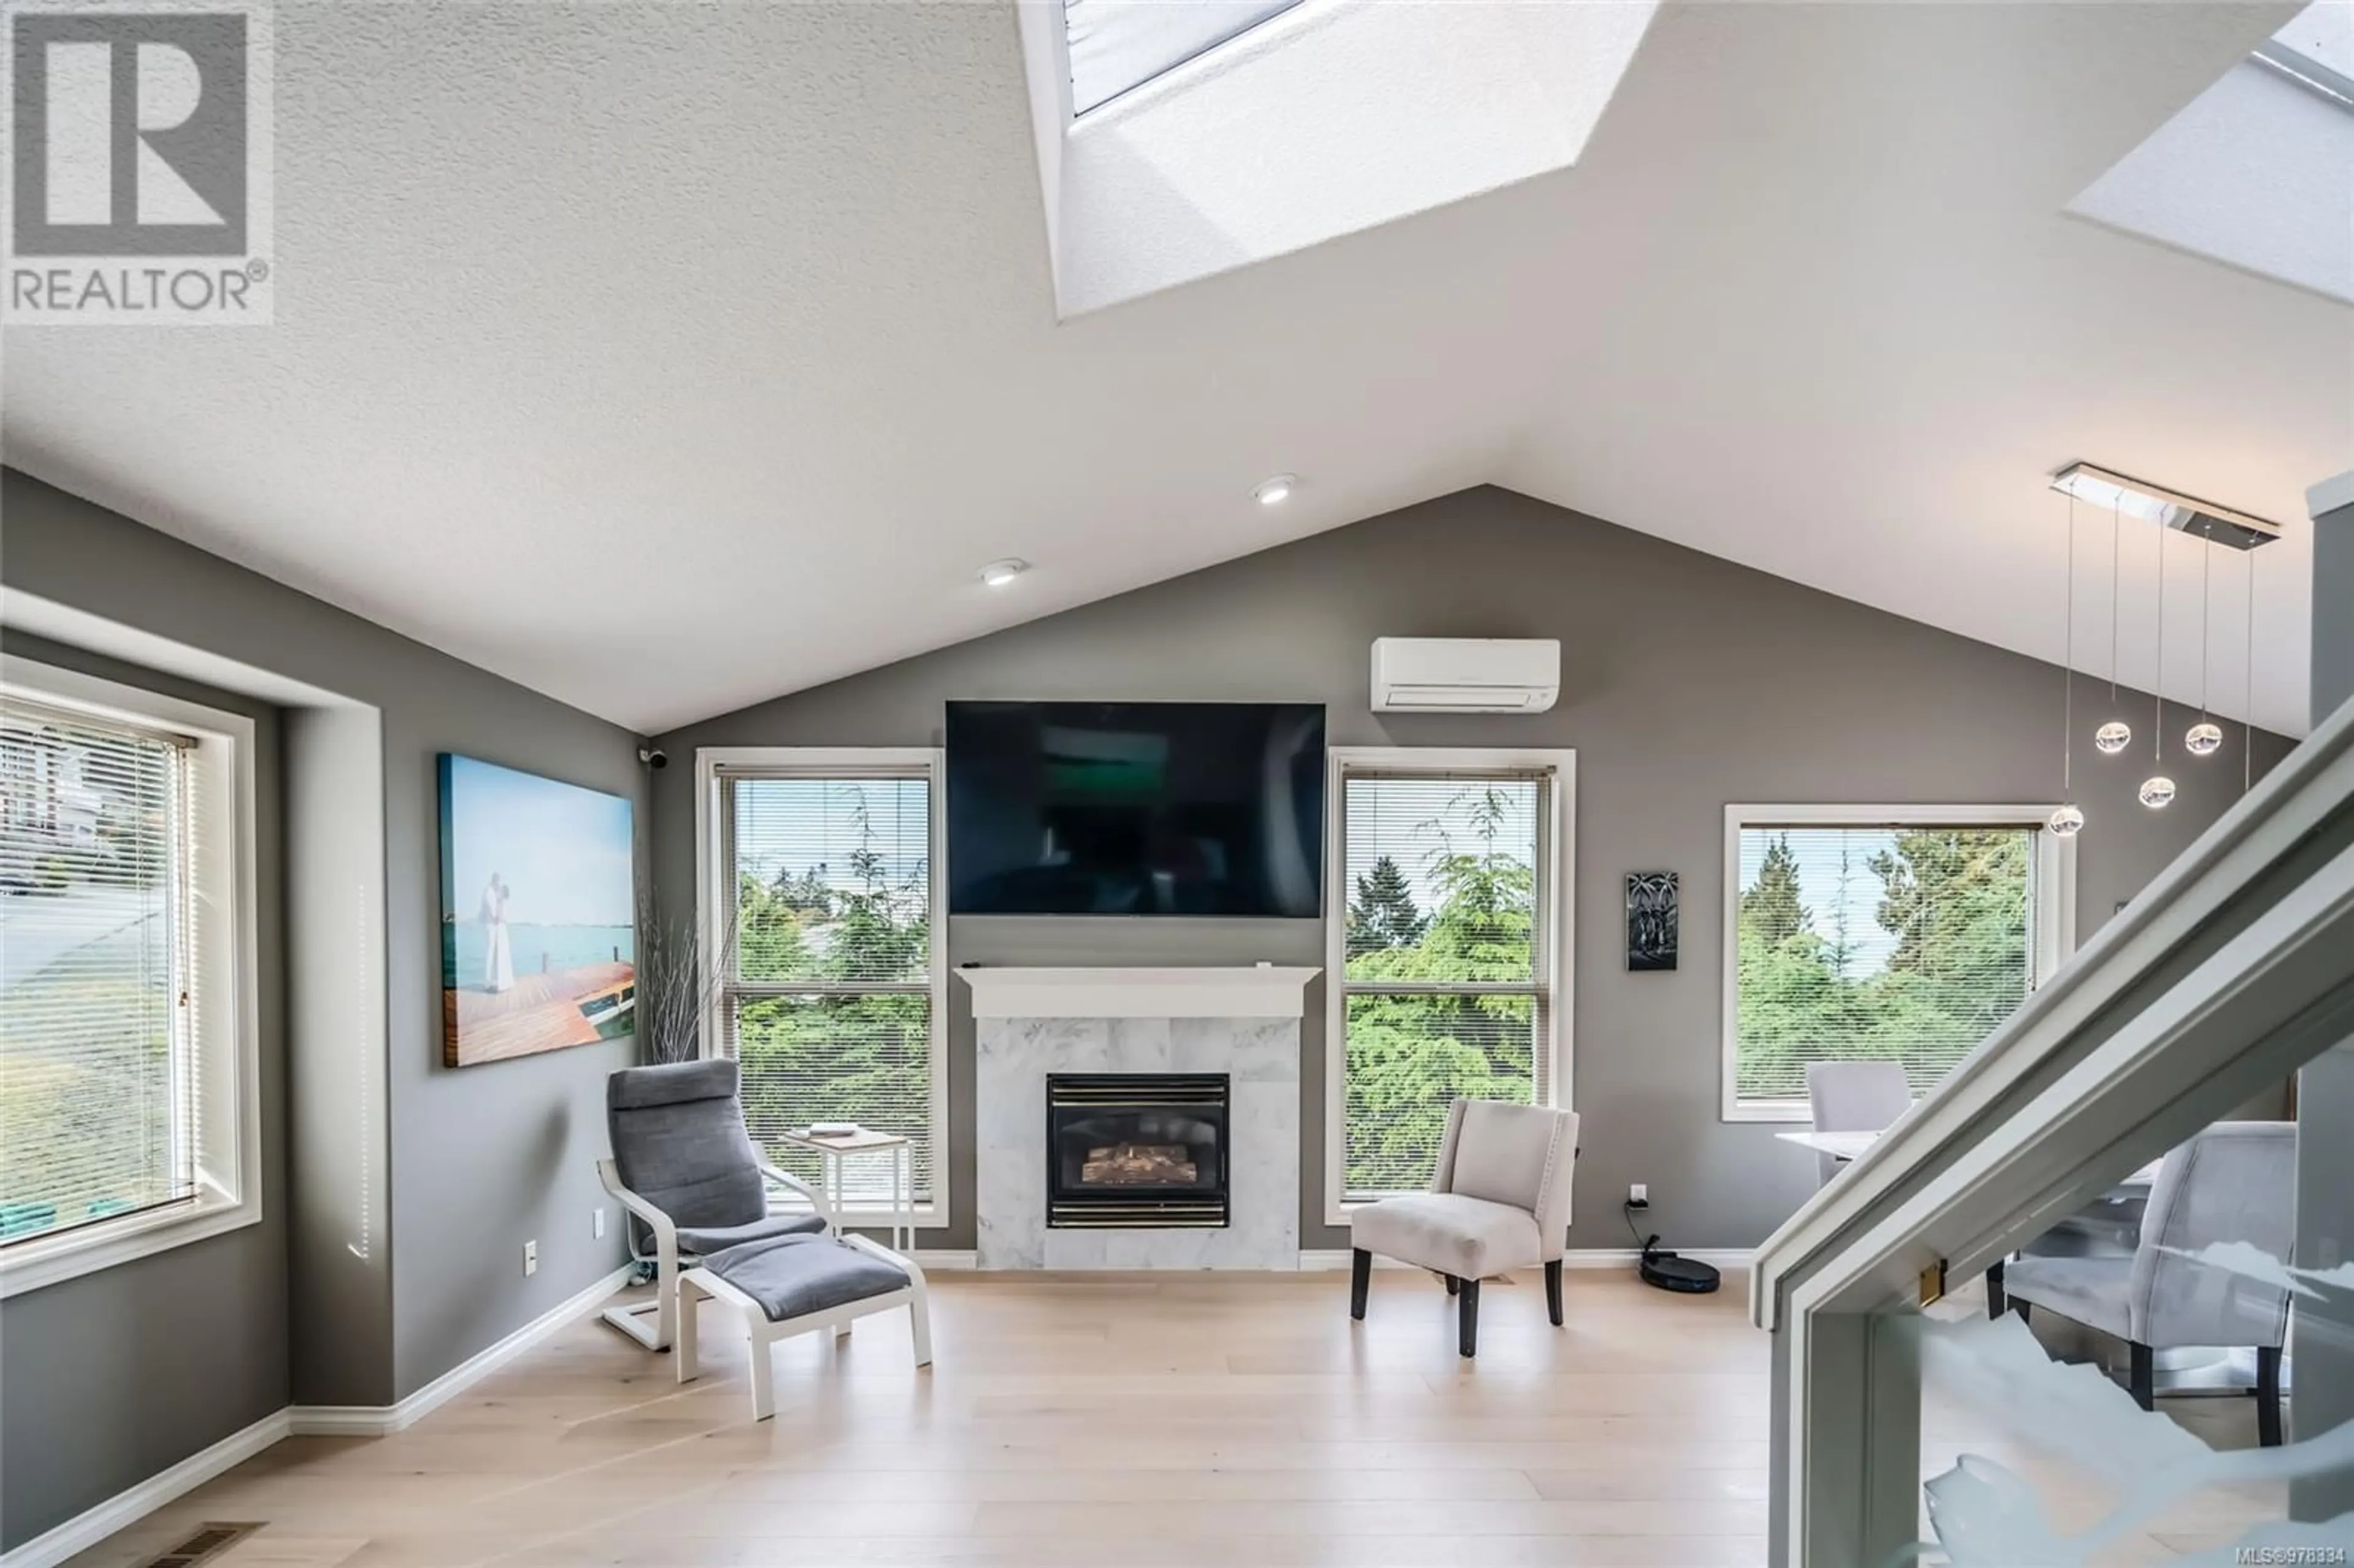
column 2236, row 1181
column 686, row 1171
column 1854, row 1097
column 1498, row 1201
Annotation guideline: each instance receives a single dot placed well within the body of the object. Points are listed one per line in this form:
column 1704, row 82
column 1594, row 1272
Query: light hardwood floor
column 1114, row 1421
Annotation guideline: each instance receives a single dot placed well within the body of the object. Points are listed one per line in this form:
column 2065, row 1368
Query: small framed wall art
column 1651, row 920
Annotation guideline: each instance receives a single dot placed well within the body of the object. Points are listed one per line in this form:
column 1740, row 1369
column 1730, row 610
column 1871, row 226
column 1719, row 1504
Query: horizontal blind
column 829, row 1009
column 1875, row 942
column 97, row 972
column 1446, row 984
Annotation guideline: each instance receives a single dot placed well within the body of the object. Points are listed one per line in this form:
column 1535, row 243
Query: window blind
column 98, row 1101
column 1445, row 986
column 829, row 1002
column 1876, row 942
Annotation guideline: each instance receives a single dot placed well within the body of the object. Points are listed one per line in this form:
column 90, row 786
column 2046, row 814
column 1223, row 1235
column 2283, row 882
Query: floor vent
column 208, row 1543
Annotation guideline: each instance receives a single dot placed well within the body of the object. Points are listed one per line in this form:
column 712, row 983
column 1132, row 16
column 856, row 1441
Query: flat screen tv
column 1136, row 809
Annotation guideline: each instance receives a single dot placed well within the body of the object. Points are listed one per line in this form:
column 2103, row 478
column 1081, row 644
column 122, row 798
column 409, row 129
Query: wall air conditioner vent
column 1466, row 674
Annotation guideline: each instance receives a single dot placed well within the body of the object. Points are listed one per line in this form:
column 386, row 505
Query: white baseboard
column 1322, row 1260
column 1576, row 1258
column 382, row 1420
column 932, row 1259
column 1627, row 1256
column 126, row 1509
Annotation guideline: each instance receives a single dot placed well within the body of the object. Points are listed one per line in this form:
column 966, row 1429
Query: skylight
column 2317, row 50
column 1116, row 45
column 2253, row 172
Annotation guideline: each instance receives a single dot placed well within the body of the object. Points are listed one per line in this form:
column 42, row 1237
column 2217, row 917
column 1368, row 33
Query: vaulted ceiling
column 667, row 358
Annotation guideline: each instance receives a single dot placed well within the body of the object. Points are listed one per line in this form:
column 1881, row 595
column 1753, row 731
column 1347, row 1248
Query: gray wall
column 1687, row 683
column 101, row 1390
column 476, row 1160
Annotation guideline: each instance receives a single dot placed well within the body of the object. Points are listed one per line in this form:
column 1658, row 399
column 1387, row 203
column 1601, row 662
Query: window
column 1450, row 938
column 1877, row 933
column 824, row 925
column 1116, row 45
column 127, row 1040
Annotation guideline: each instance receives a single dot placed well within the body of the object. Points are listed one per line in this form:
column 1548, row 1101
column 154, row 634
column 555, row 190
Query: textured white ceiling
column 665, row 358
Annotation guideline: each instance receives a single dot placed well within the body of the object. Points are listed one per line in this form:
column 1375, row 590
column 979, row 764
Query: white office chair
column 1854, row 1097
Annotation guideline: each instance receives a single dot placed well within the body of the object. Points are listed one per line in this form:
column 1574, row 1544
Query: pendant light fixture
column 2248, row 694
column 2172, row 511
column 2067, row 821
column 2157, row 790
column 2205, row 738
column 2115, row 734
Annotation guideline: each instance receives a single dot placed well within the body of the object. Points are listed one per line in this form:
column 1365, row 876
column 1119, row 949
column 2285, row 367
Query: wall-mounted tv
column 1136, row 809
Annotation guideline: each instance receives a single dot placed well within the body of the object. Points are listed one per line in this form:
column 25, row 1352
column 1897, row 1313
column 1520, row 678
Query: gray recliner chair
column 2235, row 1182
column 686, row 1171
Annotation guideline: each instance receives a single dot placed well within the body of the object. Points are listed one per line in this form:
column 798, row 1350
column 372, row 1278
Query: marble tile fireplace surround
column 1241, row 1024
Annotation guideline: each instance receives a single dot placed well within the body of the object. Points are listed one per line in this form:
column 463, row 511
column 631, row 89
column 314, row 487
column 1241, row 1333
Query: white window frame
column 715, row 766
column 227, row 1053
column 2051, row 921
column 1555, row 915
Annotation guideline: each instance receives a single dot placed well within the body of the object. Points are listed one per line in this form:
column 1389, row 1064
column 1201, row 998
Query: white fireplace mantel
column 1260, row 990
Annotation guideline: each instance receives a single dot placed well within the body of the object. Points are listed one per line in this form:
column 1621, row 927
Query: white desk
column 1845, row 1145
column 833, row 1152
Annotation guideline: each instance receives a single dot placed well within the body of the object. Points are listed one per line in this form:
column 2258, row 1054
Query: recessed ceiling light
column 1277, row 490
column 997, row 574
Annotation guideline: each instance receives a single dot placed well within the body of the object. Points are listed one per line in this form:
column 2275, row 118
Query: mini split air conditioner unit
column 1466, row 674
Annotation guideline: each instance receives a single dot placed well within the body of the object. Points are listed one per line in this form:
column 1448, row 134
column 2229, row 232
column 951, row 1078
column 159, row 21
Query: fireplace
column 1136, row 1150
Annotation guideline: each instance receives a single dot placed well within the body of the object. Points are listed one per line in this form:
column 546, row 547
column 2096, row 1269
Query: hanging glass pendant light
column 2205, row 738
column 2173, row 511
column 2066, row 821
column 2115, row 734
column 2157, row 790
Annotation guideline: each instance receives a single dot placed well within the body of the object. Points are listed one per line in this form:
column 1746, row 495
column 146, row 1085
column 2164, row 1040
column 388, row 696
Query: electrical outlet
column 1638, row 1196
column 530, row 1258
column 597, row 1226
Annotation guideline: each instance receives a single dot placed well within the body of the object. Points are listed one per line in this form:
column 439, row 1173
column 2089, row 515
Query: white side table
column 832, row 1153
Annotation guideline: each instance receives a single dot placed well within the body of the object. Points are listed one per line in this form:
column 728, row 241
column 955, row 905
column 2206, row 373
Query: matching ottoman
column 795, row 1284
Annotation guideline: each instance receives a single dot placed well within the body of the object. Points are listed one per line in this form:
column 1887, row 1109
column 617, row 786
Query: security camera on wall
column 654, row 757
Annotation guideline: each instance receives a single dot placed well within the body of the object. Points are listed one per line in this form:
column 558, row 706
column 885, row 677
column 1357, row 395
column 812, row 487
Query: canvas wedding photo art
column 538, row 914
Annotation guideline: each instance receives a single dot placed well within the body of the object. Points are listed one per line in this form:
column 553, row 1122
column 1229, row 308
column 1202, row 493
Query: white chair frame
column 697, row 1285
column 631, row 1317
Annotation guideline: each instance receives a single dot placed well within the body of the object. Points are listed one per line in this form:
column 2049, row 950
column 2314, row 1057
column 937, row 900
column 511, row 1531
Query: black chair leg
column 2144, row 1378
column 1360, row 1279
column 1994, row 1289
column 2021, row 1307
column 1467, row 1308
column 2268, row 1400
column 1552, row 1291
column 1453, row 1284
